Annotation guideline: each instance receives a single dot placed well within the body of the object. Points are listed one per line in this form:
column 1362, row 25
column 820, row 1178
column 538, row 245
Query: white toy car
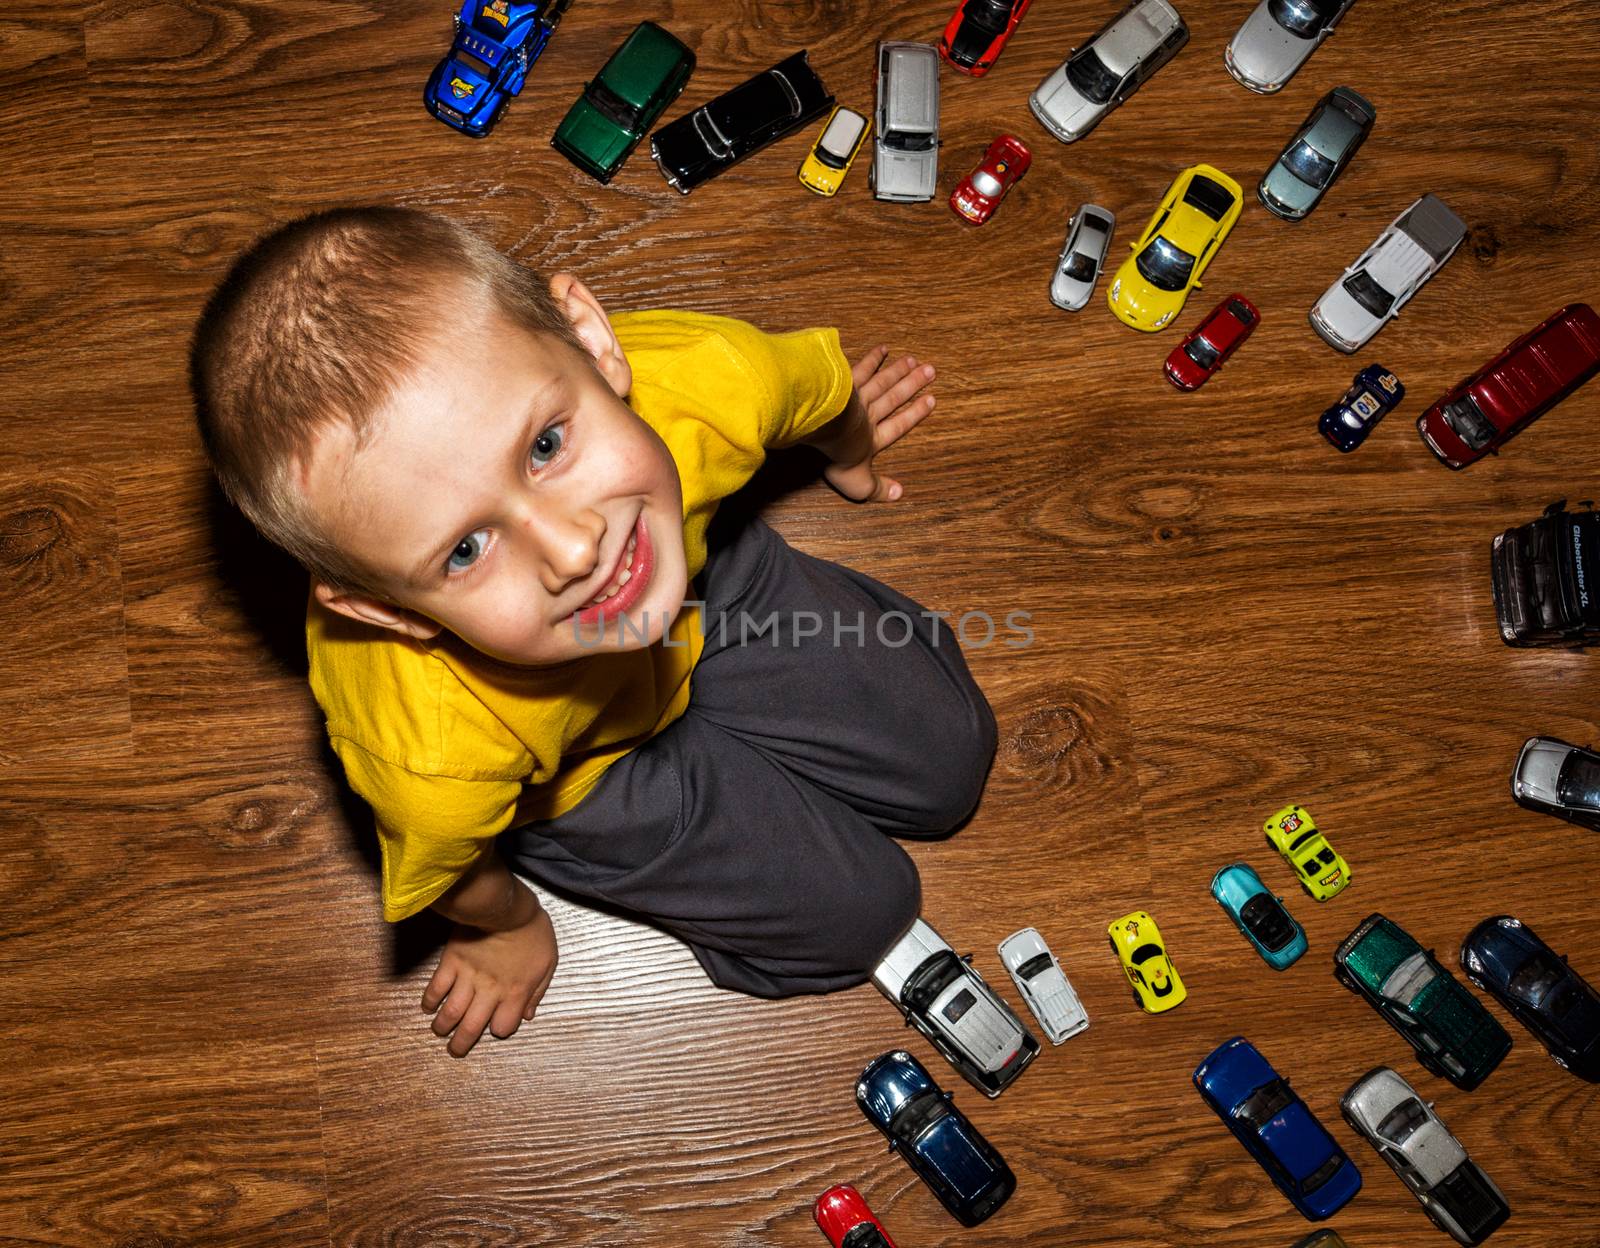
column 1375, row 288
column 1103, row 73
column 949, row 1003
column 1043, row 984
column 1082, row 258
column 1276, row 39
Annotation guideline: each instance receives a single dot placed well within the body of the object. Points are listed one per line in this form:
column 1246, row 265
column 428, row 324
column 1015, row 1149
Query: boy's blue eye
column 548, row 445
column 467, row 551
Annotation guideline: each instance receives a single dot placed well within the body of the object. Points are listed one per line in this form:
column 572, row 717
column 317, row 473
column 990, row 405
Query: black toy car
column 1545, row 588
column 1507, row 960
column 719, row 134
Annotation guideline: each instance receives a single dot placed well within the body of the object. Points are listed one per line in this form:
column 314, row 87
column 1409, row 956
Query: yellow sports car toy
column 1321, row 871
column 1137, row 940
column 1196, row 214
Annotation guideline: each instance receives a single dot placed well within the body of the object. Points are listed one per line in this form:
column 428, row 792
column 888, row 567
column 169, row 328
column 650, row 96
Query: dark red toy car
column 979, row 193
column 1515, row 388
column 1200, row 354
column 847, row 1222
column 977, row 33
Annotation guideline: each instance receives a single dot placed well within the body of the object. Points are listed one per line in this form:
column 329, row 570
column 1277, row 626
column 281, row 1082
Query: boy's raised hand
column 490, row 979
column 887, row 404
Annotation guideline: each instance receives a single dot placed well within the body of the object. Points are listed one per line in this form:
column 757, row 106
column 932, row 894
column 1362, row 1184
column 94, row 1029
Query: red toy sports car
column 979, row 193
column 1201, row 354
column 977, row 33
column 844, row 1217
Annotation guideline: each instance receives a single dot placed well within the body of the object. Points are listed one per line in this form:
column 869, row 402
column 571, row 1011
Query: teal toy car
column 619, row 106
column 1259, row 914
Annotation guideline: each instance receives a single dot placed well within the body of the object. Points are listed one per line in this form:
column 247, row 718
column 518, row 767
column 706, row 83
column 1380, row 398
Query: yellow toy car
column 834, row 151
column 1293, row 833
column 1137, row 941
column 1196, row 214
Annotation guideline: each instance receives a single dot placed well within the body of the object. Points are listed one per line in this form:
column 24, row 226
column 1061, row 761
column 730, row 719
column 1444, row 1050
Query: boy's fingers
column 861, row 372
column 471, row 1028
column 506, row 1019
column 885, row 377
column 438, row 988
column 892, row 428
column 450, row 1013
column 906, row 388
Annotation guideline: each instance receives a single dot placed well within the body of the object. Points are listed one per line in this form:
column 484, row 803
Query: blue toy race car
column 496, row 42
column 1375, row 393
column 1277, row 1129
column 1259, row 914
column 965, row 1172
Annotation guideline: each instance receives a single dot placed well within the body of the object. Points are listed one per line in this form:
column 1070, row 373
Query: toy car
column 1326, row 142
column 1259, row 914
column 1460, row 1198
column 495, row 43
column 722, row 132
column 1277, row 38
column 920, row 1119
column 977, row 33
column 1542, row 574
column 1043, row 984
column 1136, row 940
column 905, row 149
column 1277, row 1128
column 1479, row 415
column 1104, row 72
column 1505, row 958
column 1171, row 255
column 1082, row 257
column 831, row 156
column 1373, row 395
column 1196, row 359
column 846, row 1220
column 1455, row 1037
column 620, row 104
column 1322, row 872
column 979, row 193
column 1558, row 779
column 945, row 999
column 1387, row 274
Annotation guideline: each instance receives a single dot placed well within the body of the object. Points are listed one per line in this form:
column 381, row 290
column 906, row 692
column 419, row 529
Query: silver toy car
column 1460, row 1198
column 1326, row 142
column 1108, row 69
column 948, row 1002
column 1277, row 38
column 1084, row 255
column 905, row 142
column 1043, row 985
column 1558, row 779
column 1386, row 275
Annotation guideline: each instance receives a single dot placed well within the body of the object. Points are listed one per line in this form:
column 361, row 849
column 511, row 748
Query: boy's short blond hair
column 316, row 324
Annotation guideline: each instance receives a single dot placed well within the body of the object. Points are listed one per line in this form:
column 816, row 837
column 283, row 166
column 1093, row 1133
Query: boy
column 502, row 495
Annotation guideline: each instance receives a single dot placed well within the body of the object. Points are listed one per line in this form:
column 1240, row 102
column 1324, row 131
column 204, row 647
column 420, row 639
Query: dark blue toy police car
column 1506, row 959
column 1277, row 1129
column 496, row 41
column 1375, row 393
column 965, row 1172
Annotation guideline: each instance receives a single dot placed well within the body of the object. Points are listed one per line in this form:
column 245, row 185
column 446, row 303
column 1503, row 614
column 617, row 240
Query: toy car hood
column 1538, row 770
column 1236, row 884
column 1264, row 54
column 889, row 1081
column 1431, row 1149
column 1288, row 191
column 1065, row 113
column 462, row 86
column 919, row 944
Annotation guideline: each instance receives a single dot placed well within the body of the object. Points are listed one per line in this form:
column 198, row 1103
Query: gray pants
column 753, row 827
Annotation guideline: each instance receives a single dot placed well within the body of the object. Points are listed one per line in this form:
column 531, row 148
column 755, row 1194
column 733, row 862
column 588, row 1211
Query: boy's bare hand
column 887, row 404
column 493, row 979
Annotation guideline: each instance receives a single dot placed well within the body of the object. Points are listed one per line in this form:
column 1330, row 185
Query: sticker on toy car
column 1291, row 823
column 499, row 11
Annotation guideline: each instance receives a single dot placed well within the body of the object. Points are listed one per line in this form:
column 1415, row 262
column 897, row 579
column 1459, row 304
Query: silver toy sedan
column 1108, row 69
column 1558, row 779
column 1078, row 269
column 1277, row 38
column 1460, row 1198
column 1043, row 985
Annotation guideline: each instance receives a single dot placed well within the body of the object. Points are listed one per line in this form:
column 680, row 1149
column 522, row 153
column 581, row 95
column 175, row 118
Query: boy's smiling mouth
column 628, row 579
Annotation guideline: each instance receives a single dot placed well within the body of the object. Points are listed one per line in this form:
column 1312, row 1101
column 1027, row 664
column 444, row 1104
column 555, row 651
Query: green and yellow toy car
column 1317, row 865
column 1138, row 945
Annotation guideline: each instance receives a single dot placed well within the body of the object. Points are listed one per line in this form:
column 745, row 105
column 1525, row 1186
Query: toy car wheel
column 1559, row 1062
column 1343, row 976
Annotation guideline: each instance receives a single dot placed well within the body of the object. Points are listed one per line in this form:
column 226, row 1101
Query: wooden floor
column 212, row 1038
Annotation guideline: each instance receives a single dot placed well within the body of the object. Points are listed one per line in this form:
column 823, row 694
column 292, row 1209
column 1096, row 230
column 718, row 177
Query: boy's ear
column 379, row 614
column 593, row 327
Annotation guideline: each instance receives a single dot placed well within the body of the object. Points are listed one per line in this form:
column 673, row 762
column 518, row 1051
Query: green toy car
column 619, row 106
column 1454, row 1036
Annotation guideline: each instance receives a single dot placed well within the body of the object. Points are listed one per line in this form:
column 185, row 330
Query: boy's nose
column 569, row 545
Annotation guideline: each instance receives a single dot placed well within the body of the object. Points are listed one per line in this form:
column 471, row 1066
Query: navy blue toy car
column 1374, row 394
column 1277, row 1129
column 1507, row 960
column 965, row 1172
column 496, row 42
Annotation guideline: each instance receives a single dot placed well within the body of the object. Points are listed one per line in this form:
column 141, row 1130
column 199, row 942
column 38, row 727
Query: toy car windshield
column 1265, row 1104
column 1401, row 1122
column 1469, row 423
column 1088, row 73
column 1267, row 922
column 1323, row 1173
column 1533, row 980
column 1202, row 352
column 1408, row 979
column 1371, row 296
column 1579, row 783
column 901, row 142
column 1144, row 953
column 1308, row 164
column 1164, row 265
column 1080, row 267
column 864, row 1236
column 1301, row 17
column 612, row 106
column 917, row 1114
column 1034, row 966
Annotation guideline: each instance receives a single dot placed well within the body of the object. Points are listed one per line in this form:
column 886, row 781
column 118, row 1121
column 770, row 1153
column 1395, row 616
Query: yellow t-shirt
column 450, row 749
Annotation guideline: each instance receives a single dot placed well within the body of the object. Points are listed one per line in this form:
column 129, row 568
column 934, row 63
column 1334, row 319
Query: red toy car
column 846, row 1220
column 1515, row 388
column 1200, row 354
column 977, row 33
column 979, row 193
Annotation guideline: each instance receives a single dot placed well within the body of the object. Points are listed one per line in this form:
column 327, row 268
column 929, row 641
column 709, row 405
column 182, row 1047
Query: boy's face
column 503, row 491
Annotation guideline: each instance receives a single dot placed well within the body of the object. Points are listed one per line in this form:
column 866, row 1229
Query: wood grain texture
column 214, row 1039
